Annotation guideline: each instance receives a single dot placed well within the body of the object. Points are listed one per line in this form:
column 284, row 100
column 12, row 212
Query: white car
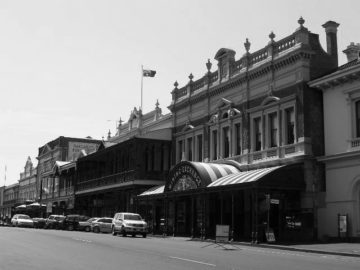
column 21, row 220
column 128, row 223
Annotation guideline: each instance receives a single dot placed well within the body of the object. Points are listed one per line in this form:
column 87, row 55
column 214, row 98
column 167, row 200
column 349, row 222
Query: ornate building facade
column 136, row 158
column 56, row 192
column 245, row 141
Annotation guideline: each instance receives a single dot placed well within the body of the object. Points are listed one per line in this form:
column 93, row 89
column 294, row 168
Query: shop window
column 257, row 133
column 273, row 129
column 357, row 118
column 290, row 125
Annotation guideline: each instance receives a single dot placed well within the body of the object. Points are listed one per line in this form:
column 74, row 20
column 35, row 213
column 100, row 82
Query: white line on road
column 188, row 260
column 82, row 240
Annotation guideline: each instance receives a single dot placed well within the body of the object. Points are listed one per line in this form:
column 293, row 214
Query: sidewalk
column 339, row 249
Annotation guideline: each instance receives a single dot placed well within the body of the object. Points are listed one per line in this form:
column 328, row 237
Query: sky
column 73, row 67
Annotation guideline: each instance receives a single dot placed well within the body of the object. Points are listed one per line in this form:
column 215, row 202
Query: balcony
column 284, row 151
column 107, row 180
column 354, row 144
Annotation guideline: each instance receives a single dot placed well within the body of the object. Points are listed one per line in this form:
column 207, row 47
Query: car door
column 107, row 222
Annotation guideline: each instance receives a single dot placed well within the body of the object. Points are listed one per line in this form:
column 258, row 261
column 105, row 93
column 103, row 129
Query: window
column 237, row 139
column 189, row 149
column 290, row 125
column 214, row 133
column 199, row 148
column 257, row 133
column 357, row 118
column 180, row 150
column 273, row 129
column 226, row 142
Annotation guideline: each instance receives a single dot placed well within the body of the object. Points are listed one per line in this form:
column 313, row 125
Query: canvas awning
column 153, row 191
column 243, row 177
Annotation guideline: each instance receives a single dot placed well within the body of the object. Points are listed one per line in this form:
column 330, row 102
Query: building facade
column 245, row 141
column 136, row 158
column 57, row 194
column 339, row 214
column 10, row 201
column 27, row 183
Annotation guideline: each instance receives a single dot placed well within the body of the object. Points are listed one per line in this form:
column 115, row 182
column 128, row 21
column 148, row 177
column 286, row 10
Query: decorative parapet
column 246, row 62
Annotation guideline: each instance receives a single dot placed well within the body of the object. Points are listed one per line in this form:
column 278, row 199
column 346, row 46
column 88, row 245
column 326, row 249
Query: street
column 38, row 249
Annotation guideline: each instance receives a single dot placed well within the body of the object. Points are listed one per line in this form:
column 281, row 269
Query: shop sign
column 274, row 201
column 222, row 233
column 49, row 207
column 185, row 177
column 76, row 147
column 270, row 236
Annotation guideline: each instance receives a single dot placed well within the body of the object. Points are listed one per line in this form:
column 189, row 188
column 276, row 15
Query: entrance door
column 181, row 217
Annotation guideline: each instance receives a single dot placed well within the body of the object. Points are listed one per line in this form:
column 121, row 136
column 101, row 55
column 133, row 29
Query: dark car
column 86, row 225
column 71, row 222
column 54, row 222
column 39, row 222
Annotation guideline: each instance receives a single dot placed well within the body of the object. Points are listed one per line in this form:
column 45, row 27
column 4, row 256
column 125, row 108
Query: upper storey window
column 257, row 133
column 290, row 125
column 273, row 129
column 357, row 118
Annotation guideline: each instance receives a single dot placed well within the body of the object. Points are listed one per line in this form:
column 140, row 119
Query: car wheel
column 70, row 227
column 144, row 235
column 87, row 229
column 96, row 230
column 113, row 231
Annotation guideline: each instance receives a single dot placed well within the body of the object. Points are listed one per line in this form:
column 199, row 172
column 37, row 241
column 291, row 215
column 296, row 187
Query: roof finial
column 301, row 21
column 176, row 84
column 191, row 77
column 247, row 45
column 109, row 135
column 208, row 65
column 272, row 36
column 157, row 103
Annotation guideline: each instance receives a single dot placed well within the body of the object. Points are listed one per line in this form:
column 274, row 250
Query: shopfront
column 199, row 196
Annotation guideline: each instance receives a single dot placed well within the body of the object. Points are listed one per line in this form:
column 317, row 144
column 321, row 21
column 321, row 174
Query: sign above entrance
column 185, row 177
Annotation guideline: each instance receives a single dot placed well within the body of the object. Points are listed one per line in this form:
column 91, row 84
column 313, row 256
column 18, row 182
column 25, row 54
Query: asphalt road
column 27, row 249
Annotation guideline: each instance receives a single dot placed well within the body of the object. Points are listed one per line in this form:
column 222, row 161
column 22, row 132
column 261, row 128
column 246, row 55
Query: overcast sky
column 72, row 68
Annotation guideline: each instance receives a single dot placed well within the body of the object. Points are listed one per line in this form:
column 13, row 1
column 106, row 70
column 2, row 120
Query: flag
column 149, row 73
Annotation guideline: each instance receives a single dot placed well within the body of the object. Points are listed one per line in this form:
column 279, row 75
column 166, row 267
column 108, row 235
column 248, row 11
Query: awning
column 153, row 191
column 191, row 175
column 243, row 177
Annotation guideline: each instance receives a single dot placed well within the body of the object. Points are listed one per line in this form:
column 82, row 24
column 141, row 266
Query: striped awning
column 214, row 171
column 153, row 191
column 243, row 177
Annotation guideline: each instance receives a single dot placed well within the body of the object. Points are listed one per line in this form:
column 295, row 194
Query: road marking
column 82, row 240
column 188, row 260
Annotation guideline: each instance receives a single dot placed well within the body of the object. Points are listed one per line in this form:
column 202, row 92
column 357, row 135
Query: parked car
column 39, row 222
column 101, row 225
column 21, row 220
column 54, row 222
column 71, row 222
column 129, row 223
column 86, row 225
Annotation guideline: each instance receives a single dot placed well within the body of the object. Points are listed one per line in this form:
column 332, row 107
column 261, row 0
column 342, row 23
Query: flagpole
column 142, row 76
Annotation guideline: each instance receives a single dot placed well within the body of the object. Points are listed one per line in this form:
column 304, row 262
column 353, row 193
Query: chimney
column 352, row 51
column 331, row 39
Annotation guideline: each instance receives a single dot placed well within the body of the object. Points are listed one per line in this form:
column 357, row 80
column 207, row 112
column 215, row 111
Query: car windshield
column 24, row 217
column 132, row 217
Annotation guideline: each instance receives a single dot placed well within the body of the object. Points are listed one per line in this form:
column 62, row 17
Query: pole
column 142, row 76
